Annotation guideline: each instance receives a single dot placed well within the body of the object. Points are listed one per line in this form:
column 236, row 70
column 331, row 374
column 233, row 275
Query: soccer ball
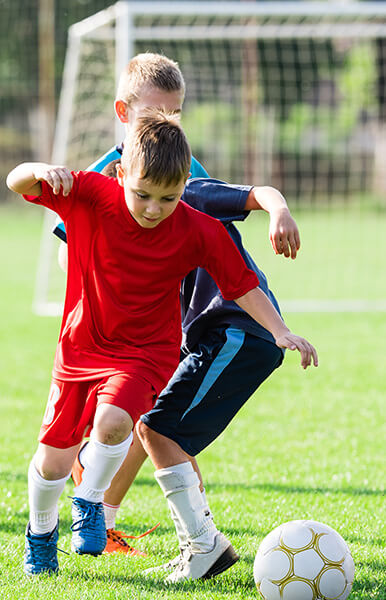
column 303, row 560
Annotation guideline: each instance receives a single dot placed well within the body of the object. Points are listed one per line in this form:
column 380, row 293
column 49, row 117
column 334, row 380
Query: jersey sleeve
column 196, row 169
column 225, row 264
column 85, row 189
column 220, row 200
column 113, row 154
column 60, row 204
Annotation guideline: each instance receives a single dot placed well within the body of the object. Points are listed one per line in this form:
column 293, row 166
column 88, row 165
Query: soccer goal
column 288, row 94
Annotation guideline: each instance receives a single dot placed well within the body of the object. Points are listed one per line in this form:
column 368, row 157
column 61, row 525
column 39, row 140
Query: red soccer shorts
column 71, row 405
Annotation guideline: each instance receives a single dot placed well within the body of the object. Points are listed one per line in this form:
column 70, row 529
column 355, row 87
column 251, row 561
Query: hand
column 284, row 233
column 294, row 342
column 55, row 176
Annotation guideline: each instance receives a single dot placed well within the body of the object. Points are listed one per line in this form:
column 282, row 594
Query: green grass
column 307, row 445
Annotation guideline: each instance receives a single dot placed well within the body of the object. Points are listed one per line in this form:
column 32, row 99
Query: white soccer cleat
column 168, row 566
column 204, row 565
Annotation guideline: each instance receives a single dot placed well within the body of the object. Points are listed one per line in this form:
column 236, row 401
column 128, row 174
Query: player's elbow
column 12, row 182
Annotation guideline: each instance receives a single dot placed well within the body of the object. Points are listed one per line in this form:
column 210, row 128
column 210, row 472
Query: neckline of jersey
column 134, row 224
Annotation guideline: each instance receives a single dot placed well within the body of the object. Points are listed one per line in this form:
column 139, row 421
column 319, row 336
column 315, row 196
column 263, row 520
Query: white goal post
column 289, row 94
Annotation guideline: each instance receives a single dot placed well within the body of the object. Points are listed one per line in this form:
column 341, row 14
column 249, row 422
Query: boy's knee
column 112, row 425
column 144, row 432
column 150, row 439
column 49, row 470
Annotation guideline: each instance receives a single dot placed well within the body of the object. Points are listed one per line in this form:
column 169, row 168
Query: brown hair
column 149, row 69
column 157, row 149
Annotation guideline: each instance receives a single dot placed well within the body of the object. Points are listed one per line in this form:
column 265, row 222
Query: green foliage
column 219, row 120
column 327, row 128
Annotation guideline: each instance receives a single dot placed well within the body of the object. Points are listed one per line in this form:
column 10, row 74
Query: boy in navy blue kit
column 225, row 357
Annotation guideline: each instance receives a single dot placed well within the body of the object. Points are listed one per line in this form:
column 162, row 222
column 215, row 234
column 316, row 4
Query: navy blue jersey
column 202, row 304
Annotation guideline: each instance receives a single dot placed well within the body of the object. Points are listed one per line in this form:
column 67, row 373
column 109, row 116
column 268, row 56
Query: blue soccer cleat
column 88, row 527
column 41, row 554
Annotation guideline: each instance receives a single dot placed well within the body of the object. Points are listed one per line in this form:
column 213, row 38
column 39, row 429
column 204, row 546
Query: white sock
column 101, row 462
column 205, row 501
column 181, row 487
column 181, row 533
column 110, row 514
column 43, row 500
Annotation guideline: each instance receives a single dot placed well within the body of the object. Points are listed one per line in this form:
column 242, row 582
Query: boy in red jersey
column 131, row 244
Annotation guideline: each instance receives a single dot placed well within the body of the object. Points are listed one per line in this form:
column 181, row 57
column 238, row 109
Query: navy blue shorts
column 210, row 386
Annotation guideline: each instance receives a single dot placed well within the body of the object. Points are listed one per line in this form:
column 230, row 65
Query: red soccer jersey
column 122, row 310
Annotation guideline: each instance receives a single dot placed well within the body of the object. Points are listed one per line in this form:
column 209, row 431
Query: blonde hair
column 156, row 149
column 149, row 69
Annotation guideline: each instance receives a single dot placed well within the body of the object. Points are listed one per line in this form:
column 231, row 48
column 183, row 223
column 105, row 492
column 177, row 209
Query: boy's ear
column 120, row 174
column 121, row 110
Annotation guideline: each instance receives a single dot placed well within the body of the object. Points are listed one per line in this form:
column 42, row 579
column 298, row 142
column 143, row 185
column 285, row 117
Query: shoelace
column 119, row 536
column 185, row 556
column 122, row 534
column 91, row 511
column 36, row 552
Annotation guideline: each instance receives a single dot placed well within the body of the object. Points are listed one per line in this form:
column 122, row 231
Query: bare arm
column 283, row 231
column 258, row 306
column 26, row 178
column 63, row 256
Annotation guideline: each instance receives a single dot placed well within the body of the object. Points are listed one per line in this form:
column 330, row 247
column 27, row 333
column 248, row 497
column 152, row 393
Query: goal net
column 286, row 94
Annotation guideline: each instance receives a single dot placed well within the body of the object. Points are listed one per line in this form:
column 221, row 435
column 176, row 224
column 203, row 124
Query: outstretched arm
column 283, row 231
column 257, row 305
column 26, row 178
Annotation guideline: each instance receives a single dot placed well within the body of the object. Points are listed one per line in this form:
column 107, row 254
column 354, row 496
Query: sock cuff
column 116, row 449
column 34, row 475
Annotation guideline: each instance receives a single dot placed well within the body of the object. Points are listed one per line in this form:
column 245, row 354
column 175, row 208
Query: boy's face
column 150, row 97
column 149, row 204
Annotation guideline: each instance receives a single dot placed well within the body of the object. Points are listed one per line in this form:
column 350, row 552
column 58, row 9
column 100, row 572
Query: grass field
column 307, row 445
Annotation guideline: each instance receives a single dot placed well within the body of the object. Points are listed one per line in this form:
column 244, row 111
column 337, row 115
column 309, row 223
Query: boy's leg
column 60, row 435
column 47, row 476
column 208, row 389
column 196, row 530
column 101, row 462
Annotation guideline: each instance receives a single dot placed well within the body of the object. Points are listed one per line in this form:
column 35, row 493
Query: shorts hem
column 190, row 451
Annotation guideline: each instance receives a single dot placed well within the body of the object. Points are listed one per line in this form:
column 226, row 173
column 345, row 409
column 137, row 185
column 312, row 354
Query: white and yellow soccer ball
column 303, row 560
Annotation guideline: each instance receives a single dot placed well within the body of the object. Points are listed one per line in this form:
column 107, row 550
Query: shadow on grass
column 226, row 583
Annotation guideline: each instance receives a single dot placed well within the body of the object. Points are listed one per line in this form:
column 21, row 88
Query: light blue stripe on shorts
column 235, row 340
